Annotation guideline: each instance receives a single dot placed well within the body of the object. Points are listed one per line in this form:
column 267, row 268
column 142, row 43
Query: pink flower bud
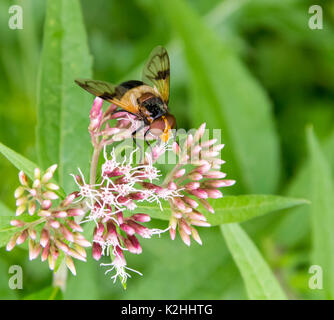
column 73, row 253
column 139, row 229
column 59, row 214
column 184, row 226
column 37, row 173
column 189, row 141
column 36, row 184
column 45, row 252
column 70, row 264
column 52, row 186
column 199, row 193
column 98, row 232
column 200, row 223
column 172, row 185
column 195, row 215
column 199, row 133
column 195, row 150
column 17, row 223
column 67, row 233
column 96, row 114
column 32, row 233
column 44, row 213
column 96, row 251
column 195, row 176
column 69, row 199
column 208, row 143
column 18, row 192
column 31, row 207
column 141, row 217
column 21, row 201
column 175, row 148
column 185, row 237
column 50, row 195
column 62, row 246
column 22, row 237
column 20, row 210
column 54, row 224
column 218, row 147
column 214, row 193
column 135, row 243
column 191, row 202
column 83, row 242
column 80, row 250
column 126, row 228
column 74, row 226
column 207, row 205
column 179, row 173
column 179, row 204
column 12, row 242
column 128, row 244
column 196, row 236
column 215, row 175
column 152, row 186
column 203, row 168
column 192, row 185
column 137, row 196
column 172, row 233
column 46, row 204
column 75, row 212
column 23, row 178
column 177, row 214
column 34, row 250
column 44, row 238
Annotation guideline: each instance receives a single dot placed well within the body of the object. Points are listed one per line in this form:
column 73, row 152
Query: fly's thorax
column 132, row 96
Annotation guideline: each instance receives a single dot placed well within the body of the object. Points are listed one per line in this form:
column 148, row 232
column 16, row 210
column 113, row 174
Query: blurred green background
column 261, row 47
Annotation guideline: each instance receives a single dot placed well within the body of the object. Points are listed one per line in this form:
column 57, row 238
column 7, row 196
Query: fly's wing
column 157, row 71
column 107, row 91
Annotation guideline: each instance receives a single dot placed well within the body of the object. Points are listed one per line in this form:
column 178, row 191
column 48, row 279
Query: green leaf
column 230, row 209
column 258, row 278
column 20, row 162
column 295, row 225
column 63, row 108
column 322, row 213
column 225, row 95
column 49, row 293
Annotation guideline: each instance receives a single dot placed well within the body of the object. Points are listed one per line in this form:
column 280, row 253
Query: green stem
column 60, row 277
column 93, row 166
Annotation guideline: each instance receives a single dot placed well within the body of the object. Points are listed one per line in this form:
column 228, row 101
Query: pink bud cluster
column 52, row 227
column 102, row 131
column 118, row 233
column 199, row 183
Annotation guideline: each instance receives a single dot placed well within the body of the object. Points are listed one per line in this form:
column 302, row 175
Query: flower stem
column 60, row 277
column 93, row 166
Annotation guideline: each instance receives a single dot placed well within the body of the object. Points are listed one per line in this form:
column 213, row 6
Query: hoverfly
column 148, row 103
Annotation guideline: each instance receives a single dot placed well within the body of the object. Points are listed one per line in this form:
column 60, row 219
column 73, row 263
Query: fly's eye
column 157, row 127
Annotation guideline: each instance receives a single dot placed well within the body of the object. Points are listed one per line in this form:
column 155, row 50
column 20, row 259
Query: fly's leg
column 146, row 132
column 135, row 140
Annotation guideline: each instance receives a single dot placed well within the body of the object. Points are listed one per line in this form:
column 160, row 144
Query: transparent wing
column 157, row 71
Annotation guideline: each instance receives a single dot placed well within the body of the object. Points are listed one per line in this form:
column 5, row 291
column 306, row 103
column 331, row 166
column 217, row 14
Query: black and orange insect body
column 148, row 103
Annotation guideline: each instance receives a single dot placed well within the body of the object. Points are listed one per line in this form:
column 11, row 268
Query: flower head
column 52, row 228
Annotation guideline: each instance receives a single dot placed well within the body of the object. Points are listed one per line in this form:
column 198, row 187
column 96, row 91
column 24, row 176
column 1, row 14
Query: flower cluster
column 114, row 191
column 51, row 228
column 198, row 175
column 122, row 185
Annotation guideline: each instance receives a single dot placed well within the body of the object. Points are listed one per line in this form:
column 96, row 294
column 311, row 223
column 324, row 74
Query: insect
column 148, row 103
